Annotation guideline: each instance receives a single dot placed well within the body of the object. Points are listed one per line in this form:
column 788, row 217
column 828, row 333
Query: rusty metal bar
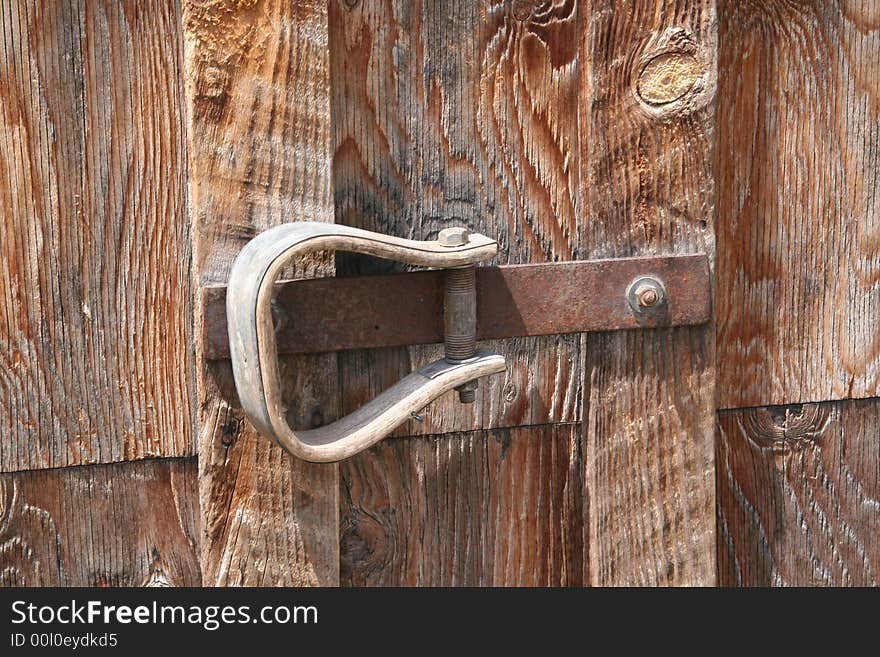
column 336, row 314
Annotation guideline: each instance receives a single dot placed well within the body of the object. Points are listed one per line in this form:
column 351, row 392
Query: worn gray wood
column 458, row 113
column 798, row 178
column 484, row 508
column 568, row 131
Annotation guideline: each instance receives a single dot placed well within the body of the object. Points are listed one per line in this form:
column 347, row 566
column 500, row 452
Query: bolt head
column 456, row 236
column 645, row 293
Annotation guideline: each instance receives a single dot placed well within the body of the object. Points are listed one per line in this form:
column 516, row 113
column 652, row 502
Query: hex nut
column 455, row 236
column 645, row 293
column 467, row 392
column 647, row 296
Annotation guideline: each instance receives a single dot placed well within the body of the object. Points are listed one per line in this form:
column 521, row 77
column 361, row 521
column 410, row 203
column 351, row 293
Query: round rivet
column 647, row 296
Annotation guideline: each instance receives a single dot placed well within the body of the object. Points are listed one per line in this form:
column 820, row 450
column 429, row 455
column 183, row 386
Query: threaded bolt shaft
column 460, row 322
column 460, row 313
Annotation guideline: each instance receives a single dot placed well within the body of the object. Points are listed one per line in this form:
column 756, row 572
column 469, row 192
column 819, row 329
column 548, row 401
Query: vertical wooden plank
column 646, row 136
column 125, row 524
column 457, row 113
column 798, row 179
column 799, row 277
column 257, row 87
column 461, row 113
column 799, row 495
column 95, row 305
column 484, row 508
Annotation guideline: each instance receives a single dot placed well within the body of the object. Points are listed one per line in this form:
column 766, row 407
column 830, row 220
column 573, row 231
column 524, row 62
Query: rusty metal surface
column 335, row 314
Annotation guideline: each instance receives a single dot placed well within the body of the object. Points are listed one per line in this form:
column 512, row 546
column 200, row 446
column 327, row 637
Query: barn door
column 567, row 130
column 143, row 144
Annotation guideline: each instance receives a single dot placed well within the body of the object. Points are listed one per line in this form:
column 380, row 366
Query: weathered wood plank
column 257, row 84
column 646, row 140
column 95, row 300
column 798, row 180
column 125, row 524
column 460, row 113
column 484, row 508
column 799, row 495
column 484, row 117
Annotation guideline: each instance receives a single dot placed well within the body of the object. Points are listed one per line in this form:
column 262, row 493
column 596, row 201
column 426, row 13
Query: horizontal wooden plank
column 799, row 495
column 337, row 314
column 125, row 524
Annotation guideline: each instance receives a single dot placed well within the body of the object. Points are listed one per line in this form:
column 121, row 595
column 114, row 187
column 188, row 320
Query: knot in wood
column 783, row 429
column 522, row 9
column 668, row 77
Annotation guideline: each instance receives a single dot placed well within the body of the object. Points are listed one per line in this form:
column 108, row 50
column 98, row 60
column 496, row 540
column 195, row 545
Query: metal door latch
column 254, row 350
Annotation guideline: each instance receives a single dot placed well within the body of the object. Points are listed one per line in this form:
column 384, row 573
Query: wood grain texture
column 484, row 508
column 646, row 139
column 460, row 113
column 525, row 122
column 257, row 85
column 798, row 178
column 95, row 302
column 799, row 495
column 125, row 524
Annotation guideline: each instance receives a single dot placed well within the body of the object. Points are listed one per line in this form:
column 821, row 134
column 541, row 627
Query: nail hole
column 228, row 431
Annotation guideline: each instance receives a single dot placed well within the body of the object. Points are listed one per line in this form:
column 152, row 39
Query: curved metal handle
column 254, row 351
